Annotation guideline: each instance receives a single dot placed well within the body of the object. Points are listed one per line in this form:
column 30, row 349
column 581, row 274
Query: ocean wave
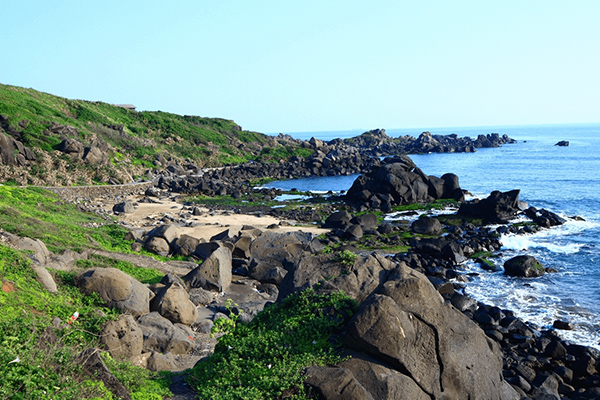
column 537, row 301
column 564, row 239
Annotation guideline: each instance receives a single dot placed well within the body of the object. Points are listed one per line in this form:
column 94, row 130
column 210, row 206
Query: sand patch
column 208, row 223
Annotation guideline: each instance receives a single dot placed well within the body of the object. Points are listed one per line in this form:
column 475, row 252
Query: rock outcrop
column 398, row 181
column 524, row 266
column 407, row 325
column 117, row 289
column 498, row 207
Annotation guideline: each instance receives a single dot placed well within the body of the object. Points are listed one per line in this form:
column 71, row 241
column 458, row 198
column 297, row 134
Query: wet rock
column 564, row 325
column 498, row 207
column 523, row 266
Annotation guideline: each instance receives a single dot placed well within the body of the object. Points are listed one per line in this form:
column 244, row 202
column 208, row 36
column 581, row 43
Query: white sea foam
column 535, row 301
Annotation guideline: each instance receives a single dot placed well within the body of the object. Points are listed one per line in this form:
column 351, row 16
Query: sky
column 326, row 65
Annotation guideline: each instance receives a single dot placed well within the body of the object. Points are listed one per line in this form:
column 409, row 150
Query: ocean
column 565, row 180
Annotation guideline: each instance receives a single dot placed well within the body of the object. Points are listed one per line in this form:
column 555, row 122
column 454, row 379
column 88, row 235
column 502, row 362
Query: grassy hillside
column 135, row 139
column 37, row 362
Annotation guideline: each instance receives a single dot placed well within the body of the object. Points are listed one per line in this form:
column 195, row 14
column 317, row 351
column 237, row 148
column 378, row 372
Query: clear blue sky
column 291, row 66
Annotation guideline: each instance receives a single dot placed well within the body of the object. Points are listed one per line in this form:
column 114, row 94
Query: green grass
column 265, row 358
column 39, row 214
column 47, row 366
column 138, row 136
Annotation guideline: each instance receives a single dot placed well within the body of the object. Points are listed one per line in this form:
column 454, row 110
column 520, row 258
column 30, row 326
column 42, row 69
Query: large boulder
column 122, row 338
column 124, row 207
column 524, row 266
column 157, row 245
column 338, row 219
column 427, row 226
column 72, row 147
column 185, row 245
column 270, row 250
column 396, row 182
column 117, row 289
column 407, row 325
column 382, row 381
column 173, row 302
column 169, row 232
column 215, row 273
column 330, row 274
column 163, row 336
column 12, row 152
column 96, row 156
column 498, row 207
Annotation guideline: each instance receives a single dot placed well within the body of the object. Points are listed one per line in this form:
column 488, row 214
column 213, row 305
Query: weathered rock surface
column 13, row 152
column 498, row 207
column 162, row 336
column 214, row 273
column 122, row 338
column 173, row 302
column 358, row 280
column 433, row 344
column 333, row 383
column 116, row 288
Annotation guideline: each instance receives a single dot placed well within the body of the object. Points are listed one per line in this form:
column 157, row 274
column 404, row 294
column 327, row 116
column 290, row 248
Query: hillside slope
column 57, row 141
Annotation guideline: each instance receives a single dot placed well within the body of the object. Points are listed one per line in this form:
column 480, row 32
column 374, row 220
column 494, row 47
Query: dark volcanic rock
column 124, row 207
column 498, row 207
column 13, row 152
column 433, row 344
column 397, row 182
column 525, row 266
column 427, row 226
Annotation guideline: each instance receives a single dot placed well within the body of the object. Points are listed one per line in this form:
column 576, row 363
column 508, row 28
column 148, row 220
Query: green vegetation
column 136, row 137
column 45, row 356
column 46, row 365
column 348, row 258
column 141, row 383
column 39, row 214
column 265, row 358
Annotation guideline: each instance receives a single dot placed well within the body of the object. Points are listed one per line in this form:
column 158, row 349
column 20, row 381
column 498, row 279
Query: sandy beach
column 207, row 224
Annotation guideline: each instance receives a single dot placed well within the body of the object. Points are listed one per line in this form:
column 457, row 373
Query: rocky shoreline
column 415, row 333
column 330, row 158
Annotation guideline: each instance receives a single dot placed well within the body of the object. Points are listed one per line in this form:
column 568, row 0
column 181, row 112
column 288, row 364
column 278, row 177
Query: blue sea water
column 565, row 180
